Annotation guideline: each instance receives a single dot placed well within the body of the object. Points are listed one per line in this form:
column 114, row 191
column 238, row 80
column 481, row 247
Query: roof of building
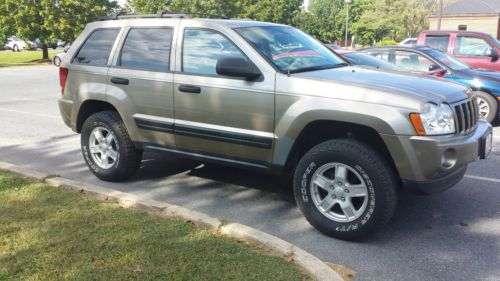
column 472, row 7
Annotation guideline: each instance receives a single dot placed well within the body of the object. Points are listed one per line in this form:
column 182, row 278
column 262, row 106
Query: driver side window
column 413, row 61
column 202, row 48
column 471, row 47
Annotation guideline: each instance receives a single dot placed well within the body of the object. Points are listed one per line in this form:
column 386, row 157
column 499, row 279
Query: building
column 470, row 15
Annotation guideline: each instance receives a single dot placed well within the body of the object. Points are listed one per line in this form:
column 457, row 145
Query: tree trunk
column 45, row 50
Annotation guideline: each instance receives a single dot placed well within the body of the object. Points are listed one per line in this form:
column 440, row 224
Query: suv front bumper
column 435, row 163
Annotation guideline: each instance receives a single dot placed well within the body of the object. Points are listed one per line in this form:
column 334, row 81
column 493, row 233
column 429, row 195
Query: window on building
column 462, row 27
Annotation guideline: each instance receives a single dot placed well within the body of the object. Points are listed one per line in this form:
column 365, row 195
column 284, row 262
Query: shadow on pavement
column 454, row 235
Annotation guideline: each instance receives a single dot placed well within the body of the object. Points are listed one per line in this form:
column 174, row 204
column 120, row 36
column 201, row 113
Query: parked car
column 408, row 42
column 17, row 44
column 334, row 47
column 477, row 49
column 271, row 98
column 57, row 59
column 419, row 59
column 357, row 58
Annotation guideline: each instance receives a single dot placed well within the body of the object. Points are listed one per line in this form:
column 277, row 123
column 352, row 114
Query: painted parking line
column 30, row 113
column 482, row 178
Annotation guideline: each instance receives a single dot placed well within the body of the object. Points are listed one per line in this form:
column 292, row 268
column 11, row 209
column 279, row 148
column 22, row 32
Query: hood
column 422, row 87
column 482, row 74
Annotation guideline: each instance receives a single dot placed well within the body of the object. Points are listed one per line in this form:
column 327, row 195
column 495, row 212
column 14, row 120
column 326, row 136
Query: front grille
column 466, row 116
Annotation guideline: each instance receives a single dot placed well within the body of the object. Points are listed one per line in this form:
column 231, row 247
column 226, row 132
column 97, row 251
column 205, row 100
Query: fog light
column 449, row 159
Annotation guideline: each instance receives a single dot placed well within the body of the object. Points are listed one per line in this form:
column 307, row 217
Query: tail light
column 63, row 75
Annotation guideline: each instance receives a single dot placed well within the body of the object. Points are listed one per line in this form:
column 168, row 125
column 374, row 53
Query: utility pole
column 440, row 13
column 347, row 2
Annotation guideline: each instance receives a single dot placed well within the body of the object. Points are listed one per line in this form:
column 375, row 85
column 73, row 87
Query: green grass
column 24, row 58
column 49, row 233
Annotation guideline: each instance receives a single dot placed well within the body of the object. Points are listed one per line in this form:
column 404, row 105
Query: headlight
column 434, row 120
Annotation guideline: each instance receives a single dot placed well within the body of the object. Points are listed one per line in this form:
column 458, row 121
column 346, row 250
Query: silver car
column 271, row 98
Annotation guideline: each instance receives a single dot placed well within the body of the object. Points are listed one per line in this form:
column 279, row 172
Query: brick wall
column 488, row 24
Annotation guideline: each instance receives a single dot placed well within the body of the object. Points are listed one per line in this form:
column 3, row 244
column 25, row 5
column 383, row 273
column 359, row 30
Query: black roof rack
column 161, row 14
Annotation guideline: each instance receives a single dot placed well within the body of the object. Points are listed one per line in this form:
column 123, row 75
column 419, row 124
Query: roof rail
column 161, row 14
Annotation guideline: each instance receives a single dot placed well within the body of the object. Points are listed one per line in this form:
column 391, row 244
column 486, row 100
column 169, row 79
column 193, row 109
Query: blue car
column 424, row 60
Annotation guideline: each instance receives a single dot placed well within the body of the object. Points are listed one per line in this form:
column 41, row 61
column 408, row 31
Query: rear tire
column 488, row 106
column 107, row 148
column 345, row 189
column 15, row 48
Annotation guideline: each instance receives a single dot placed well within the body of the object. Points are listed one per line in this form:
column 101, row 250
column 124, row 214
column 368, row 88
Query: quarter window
column 147, row 49
column 97, row 48
column 202, row 49
column 471, row 46
column 438, row 42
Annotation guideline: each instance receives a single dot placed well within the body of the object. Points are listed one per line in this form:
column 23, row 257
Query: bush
column 386, row 43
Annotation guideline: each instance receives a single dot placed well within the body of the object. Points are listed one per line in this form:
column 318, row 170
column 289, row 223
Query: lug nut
column 339, row 183
column 334, row 197
column 343, row 199
column 346, row 190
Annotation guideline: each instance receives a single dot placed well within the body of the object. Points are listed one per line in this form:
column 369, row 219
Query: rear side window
column 438, row 42
column 147, row 49
column 97, row 48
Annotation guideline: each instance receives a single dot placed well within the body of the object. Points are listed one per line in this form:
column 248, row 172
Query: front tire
column 15, row 48
column 488, row 106
column 345, row 189
column 107, row 148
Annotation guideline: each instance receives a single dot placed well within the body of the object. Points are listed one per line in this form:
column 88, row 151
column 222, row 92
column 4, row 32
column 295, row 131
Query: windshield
column 289, row 49
column 447, row 60
column 367, row 60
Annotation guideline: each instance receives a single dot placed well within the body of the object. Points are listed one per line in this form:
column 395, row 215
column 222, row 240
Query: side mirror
column 66, row 49
column 434, row 67
column 237, row 67
column 493, row 53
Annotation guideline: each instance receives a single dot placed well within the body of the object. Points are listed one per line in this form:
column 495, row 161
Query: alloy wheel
column 339, row 192
column 103, row 147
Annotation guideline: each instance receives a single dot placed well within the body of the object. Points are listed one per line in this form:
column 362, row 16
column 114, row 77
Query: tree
column 214, row 7
column 49, row 20
column 278, row 11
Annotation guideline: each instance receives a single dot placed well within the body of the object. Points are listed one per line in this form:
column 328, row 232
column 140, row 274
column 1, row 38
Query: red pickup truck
column 477, row 49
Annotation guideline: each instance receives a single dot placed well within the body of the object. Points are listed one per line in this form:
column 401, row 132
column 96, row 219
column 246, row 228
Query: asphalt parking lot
column 454, row 235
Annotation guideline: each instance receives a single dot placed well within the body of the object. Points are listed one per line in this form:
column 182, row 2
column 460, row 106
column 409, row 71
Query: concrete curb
column 309, row 263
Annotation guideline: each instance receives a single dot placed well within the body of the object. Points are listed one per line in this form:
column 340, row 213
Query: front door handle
column 190, row 89
column 120, row 81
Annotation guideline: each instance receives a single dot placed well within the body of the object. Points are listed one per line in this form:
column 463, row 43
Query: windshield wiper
column 318, row 67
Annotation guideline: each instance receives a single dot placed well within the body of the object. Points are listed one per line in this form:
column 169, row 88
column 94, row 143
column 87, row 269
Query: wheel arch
column 318, row 131
column 89, row 107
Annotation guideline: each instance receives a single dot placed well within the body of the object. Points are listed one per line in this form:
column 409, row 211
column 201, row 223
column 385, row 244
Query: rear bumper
column 66, row 109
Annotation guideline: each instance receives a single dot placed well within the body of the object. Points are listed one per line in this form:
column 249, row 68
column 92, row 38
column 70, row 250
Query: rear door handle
column 190, row 89
column 120, row 81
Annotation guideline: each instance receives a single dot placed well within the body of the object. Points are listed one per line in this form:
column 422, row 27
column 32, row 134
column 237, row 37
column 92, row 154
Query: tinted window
column 471, row 46
column 97, row 48
column 147, row 48
column 202, row 48
column 367, row 60
column 438, row 42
